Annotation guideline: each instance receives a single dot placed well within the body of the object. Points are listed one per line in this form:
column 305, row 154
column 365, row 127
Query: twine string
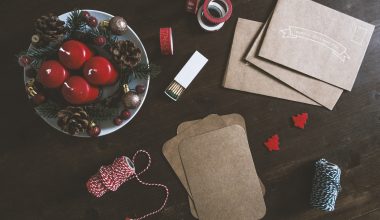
column 326, row 185
column 148, row 184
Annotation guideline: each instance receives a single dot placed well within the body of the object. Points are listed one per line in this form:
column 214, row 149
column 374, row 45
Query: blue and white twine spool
column 326, row 185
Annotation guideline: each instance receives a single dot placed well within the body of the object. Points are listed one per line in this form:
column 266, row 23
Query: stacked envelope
column 305, row 52
column 213, row 161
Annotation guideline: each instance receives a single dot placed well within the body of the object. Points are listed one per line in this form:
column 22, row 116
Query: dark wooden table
column 42, row 171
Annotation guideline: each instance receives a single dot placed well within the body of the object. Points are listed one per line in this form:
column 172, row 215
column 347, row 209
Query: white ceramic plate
column 107, row 126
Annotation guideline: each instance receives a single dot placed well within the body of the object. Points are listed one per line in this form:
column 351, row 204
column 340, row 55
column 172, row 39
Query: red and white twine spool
column 111, row 177
column 166, row 41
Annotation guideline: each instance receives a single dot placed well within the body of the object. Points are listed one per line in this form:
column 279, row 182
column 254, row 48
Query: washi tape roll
column 226, row 4
column 166, row 41
column 192, row 6
column 214, row 8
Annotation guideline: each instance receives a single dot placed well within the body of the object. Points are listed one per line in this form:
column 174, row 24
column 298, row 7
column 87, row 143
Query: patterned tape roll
column 326, row 185
column 220, row 19
column 166, row 41
column 192, row 6
column 204, row 23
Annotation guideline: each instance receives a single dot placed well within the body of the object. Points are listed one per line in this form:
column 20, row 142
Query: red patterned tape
column 166, row 41
column 216, row 20
column 192, row 6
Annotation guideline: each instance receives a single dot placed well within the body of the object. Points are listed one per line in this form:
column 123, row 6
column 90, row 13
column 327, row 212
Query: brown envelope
column 222, row 176
column 316, row 40
column 240, row 75
column 231, row 119
column 170, row 148
column 321, row 92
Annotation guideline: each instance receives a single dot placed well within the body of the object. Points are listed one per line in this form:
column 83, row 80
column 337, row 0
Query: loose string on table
column 326, row 185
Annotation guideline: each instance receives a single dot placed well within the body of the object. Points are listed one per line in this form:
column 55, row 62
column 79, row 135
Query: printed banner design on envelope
column 336, row 48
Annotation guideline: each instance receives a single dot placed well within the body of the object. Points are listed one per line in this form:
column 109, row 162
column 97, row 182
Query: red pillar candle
column 100, row 71
column 52, row 74
column 73, row 54
column 77, row 91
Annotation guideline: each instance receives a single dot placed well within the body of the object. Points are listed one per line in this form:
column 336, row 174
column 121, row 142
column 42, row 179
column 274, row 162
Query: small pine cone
column 125, row 53
column 48, row 28
column 73, row 120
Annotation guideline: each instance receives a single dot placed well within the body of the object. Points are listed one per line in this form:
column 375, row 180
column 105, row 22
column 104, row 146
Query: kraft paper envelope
column 170, row 148
column 222, row 176
column 242, row 76
column 231, row 119
column 316, row 40
column 319, row 91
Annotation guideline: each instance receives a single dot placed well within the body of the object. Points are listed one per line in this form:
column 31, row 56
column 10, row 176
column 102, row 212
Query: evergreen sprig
column 39, row 54
column 142, row 71
column 99, row 31
column 75, row 22
column 48, row 109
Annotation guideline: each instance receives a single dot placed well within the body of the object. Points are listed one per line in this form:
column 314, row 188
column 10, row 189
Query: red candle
column 77, row 90
column 73, row 54
column 52, row 74
column 100, row 71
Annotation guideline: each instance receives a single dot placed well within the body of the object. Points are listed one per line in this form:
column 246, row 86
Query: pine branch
column 39, row 54
column 143, row 71
column 75, row 22
column 99, row 31
column 48, row 109
column 101, row 112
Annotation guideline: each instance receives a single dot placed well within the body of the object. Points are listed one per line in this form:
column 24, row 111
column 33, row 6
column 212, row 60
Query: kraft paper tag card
column 231, row 119
column 222, row 176
column 170, row 148
column 319, row 91
column 242, row 76
column 317, row 41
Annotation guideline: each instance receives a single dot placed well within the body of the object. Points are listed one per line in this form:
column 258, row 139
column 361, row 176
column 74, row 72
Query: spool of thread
column 111, row 177
column 326, row 185
column 215, row 9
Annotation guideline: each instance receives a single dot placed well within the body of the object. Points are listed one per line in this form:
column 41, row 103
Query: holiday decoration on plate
column 77, row 69
column 300, row 120
column 273, row 143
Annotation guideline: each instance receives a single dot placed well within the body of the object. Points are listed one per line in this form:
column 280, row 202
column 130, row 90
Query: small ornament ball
column 131, row 100
column 38, row 99
column 100, row 41
column 118, row 25
column 92, row 21
column 140, row 89
column 117, row 121
column 125, row 114
column 93, row 130
column 85, row 15
column 24, row 61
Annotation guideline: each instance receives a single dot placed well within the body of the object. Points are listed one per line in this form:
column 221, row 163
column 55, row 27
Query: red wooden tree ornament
column 300, row 120
column 273, row 143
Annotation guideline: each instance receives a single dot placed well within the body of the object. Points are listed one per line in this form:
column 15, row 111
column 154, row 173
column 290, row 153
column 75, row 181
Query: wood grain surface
column 43, row 172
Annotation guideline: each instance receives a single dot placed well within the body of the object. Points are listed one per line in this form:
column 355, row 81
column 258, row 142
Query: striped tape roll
column 166, row 41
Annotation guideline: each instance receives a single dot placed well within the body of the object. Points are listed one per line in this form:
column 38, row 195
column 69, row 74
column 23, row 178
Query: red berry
column 92, row 21
column 94, row 131
column 38, row 99
column 125, row 114
column 117, row 121
column 140, row 89
column 100, row 41
column 85, row 15
column 24, row 61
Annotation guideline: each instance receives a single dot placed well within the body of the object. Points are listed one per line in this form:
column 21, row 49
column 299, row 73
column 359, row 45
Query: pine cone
column 73, row 120
column 48, row 28
column 125, row 53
